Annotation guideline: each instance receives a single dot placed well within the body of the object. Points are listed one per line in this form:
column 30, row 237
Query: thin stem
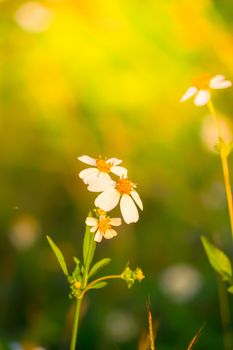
column 228, row 188
column 225, row 314
column 75, row 325
column 101, row 279
column 223, row 297
column 225, row 166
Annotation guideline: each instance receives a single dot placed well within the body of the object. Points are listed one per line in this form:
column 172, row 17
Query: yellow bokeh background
column 105, row 78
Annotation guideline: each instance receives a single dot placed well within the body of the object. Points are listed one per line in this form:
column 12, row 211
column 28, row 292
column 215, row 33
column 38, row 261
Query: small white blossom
column 103, row 226
column 113, row 192
column 201, row 87
column 100, row 168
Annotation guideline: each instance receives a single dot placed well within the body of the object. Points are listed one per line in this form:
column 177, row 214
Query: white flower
column 201, row 88
column 103, row 226
column 100, row 168
column 124, row 191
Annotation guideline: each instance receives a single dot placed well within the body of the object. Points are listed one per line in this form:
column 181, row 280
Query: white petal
column 91, row 221
column 119, row 171
column 114, row 161
column 128, row 209
column 101, row 184
column 115, row 221
column 98, row 236
column 104, row 176
column 217, row 78
column 94, row 228
column 87, row 174
column 87, row 160
column 109, row 234
column 189, row 93
column 202, row 98
column 137, row 199
column 108, row 199
column 219, row 82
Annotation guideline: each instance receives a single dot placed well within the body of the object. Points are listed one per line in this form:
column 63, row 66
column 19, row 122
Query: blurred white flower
column 101, row 168
column 33, row 17
column 180, row 282
column 209, row 133
column 121, row 326
column 17, row 346
column 24, row 232
column 214, row 196
column 103, row 226
column 201, row 87
column 113, row 192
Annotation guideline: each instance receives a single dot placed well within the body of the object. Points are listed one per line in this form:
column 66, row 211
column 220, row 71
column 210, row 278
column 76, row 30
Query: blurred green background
column 104, row 78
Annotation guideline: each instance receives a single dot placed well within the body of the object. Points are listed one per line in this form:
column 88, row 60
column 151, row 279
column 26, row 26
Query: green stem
column 225, row 166
column 78, row 304
column 101, row 279
column 225, row 314
column 75, row 325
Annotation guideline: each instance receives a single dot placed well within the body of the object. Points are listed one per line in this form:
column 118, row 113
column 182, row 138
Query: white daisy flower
column 100, row 168
column 201, row 87
column 122, row 191
column 103, row 226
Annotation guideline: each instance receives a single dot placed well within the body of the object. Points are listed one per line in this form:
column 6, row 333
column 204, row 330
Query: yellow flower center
column 104, row 224
column 100, row 212
column 77, row 284
column 139, row 274
column 103, row 166
column 124, row 186
column 202, row 82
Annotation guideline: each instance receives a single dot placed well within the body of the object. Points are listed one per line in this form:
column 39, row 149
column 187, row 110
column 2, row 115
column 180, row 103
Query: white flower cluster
column 112, row 192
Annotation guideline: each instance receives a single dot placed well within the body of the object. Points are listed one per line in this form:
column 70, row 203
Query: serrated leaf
column 98, row 266
column 230, row 289
column 218, row 259
column 59, row 255
column 77, row 269
column 98, row 285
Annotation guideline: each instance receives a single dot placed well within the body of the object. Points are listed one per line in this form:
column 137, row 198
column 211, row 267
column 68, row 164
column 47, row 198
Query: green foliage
column 59, row 255
column 98, row 266
column 230, row 289
column 98, row 285
column 89, row 246
column 218, row 259
column 77, row 269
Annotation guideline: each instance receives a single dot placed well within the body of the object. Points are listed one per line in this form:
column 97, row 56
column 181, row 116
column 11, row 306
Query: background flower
column 101, row 168
column 201, row 88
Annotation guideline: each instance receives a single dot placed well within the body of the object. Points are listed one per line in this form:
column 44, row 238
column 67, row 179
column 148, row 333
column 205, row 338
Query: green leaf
column 59, row 255
column 89, row 246
column 98, row 285
column 230, row 289
column 77, row 269
column 98, row 266
column 218, row 260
